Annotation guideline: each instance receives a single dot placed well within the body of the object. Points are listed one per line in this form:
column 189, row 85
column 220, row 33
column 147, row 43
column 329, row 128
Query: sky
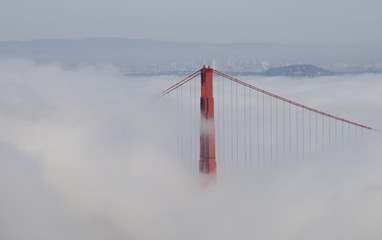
column 75, row 164
column 277, row 21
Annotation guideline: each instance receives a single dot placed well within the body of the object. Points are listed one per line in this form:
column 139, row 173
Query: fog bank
column 84, row 156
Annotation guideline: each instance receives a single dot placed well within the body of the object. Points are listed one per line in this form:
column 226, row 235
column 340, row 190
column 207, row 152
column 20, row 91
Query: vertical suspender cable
column 191, row 125
column 303, row 135
column 284, row 128
column 181, row 118
column 217, row 132
column 310, row 134
column 190, row 119
column 329, row 131
column 335, row 126
column 263, row 132
column 237, row 130
column 323, row 133
column 169, row 135
column 342, row 133
column 271, row 125
column 245, row 130
column 316, row 132
column 197, row 118
column 277, row 137
column 290, row 133
column 258, row 126
column 232, row 126
column 177, row 122
column 296, row 133
column 250, row 129
column 224, row 140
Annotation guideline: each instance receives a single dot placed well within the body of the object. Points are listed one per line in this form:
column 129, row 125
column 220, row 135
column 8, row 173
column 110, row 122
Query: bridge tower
column 207, row 163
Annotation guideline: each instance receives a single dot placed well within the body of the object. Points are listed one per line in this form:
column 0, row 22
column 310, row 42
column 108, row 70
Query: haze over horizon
column 348, row 44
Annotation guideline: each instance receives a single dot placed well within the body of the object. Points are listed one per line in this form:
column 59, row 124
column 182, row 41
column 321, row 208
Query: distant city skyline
column 279, row 21
column 153, row 57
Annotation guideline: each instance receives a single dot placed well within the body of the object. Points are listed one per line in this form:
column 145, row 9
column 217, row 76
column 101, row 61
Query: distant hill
column 305, row 70
column 140, row 51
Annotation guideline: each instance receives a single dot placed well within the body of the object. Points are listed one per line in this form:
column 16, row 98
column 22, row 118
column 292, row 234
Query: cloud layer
column 84, row 156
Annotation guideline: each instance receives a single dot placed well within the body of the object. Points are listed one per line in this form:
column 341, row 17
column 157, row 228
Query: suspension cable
column 289, row 101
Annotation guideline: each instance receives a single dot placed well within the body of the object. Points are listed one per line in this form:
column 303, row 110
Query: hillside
column 305, row 70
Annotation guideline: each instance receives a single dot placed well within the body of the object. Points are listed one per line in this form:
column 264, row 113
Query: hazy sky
column 282, row 21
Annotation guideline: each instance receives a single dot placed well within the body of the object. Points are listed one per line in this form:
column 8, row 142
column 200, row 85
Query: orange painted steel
column 207, row 163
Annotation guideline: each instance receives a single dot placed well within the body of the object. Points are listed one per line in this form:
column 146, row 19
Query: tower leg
column 207, row 163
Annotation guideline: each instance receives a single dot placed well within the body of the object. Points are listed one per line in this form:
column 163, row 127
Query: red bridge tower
column 207, row 163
